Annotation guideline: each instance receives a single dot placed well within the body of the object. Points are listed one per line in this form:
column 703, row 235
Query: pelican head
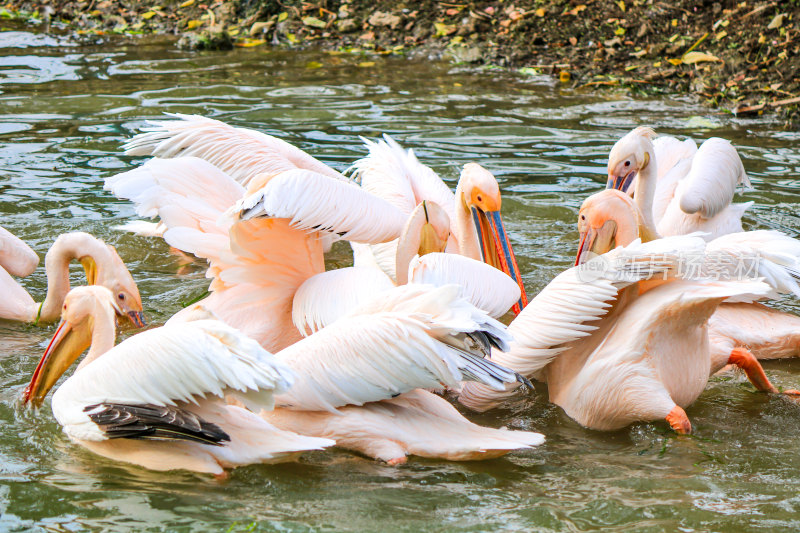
column 480, row 194
column 111, row 272
column 629, row 156
column 83, row 306
column 606, row 220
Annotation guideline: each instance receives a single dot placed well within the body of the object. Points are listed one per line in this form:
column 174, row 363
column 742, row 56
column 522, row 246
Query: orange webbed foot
column 791, row 392
column 678, row 421
column 745, row 360
column 397, row 461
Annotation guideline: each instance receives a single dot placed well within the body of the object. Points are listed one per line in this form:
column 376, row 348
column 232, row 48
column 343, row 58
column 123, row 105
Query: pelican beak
column 137, row 318
column 596, row 241
column 496, row 249
column 65, row 347
column 621, row 182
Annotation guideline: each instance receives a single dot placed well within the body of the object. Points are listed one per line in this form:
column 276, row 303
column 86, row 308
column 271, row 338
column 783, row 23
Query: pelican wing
column 314, row 202
column 178, row 363
column 16, row 257
column 711, row 183
column 569, row 306
column 398, row 176
column 668, row 151
column 326, row 297
column 412, row 337
column 484, row 286
column 239, row 152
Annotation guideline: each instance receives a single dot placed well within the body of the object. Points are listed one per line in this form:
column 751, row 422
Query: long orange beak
column 496, row 249
column 65, row 347
column 596, row 241
column 137, row 318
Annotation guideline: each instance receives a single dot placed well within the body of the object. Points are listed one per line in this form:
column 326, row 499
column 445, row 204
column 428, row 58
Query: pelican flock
column 285, row 357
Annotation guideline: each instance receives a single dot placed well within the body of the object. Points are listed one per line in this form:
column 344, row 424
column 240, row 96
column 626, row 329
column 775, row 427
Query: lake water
column 66, row 108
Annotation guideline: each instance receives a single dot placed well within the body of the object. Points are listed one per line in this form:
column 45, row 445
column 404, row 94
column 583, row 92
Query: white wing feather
column 711, row 183
column 239, row 152
column 413, row 337
column 314, row 202
column 179, row 362
column 484, row 286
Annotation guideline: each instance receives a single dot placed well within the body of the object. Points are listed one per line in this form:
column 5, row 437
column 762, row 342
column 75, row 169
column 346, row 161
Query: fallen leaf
column 187, row 3
column 314, row 22
column 148, row 15
column 573, row 41
column 674, row 23
column 564, row 76
column 456, row 40
column 674, row 61
column 313, row 64
column 529, row 71
column 192, row 24
column 366, row 64
column 97, row 13
column 248, row 43
column 777, row 22
column 369, row 36
column 577, row 9
column 619, row 31
column 721, row 35
column 657, row 64
column 540, row 12
column 444, row 29
column 452, row 11
column 283, row 16
column 292, row 38
column 490, row 10
column 621, row 5
column 698, row 57
column 233, row 32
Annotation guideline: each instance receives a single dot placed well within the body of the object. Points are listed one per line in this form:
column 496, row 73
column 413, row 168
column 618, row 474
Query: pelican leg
column 744, row 359
column 678, row 421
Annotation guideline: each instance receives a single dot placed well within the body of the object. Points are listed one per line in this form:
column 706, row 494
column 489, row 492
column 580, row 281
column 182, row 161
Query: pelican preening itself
column 678, row 187
column 102, row 264
column 158, row 399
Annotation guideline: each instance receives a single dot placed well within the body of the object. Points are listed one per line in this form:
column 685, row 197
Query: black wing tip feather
column 148, row 421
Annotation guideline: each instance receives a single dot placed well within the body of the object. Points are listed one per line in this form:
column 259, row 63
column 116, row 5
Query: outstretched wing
column 239, row 152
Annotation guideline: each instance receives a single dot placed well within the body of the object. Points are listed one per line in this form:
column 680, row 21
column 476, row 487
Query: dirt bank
column 739, row 56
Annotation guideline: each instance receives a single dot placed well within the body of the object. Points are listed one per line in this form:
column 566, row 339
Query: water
column 65, row 109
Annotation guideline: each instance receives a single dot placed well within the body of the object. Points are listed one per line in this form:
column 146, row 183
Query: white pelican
column 739, row 332
column 679, row 188
column 269, row 242
column 103, row 266
column 615, row 348
column 244, row 154
column 325, row 297
column 474, row 210
column 156, row 399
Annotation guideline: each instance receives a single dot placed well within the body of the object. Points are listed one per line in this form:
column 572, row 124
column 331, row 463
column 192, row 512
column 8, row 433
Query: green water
column 64, row 111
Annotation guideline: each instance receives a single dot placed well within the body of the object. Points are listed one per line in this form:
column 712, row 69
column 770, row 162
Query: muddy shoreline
column 738, row 57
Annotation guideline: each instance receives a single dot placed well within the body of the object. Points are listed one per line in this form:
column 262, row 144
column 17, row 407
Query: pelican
column 623, row 338
column 167, row 384
column 692, row 193
column 103, row 266
column 740, row 332
column 419, row 259
column 474, row 210
column 247, row 155
column 157, row 399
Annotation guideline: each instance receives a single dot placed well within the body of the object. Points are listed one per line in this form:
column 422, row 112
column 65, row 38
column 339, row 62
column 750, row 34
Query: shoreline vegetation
column 740, row 57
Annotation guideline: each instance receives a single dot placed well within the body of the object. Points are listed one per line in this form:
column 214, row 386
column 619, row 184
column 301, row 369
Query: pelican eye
column 583, row 217
column 627, row 163
column 480, row 199
column 121, row 296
